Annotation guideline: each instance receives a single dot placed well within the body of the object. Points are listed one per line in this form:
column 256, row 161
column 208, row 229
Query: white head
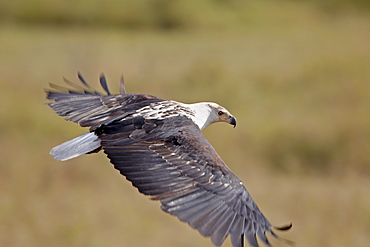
column 207, row 113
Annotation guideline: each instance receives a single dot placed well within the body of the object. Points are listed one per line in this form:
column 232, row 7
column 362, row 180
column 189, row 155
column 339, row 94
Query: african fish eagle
column 158, row 145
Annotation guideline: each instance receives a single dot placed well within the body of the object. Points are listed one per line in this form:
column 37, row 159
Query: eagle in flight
column 159, row 147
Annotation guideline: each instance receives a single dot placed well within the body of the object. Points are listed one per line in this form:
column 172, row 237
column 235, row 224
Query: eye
column 220, row 113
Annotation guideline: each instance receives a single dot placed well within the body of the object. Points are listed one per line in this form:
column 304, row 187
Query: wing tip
column 82, row 79
column 122, row 87
column 284, row 227
column 103, row 83
column 102, row 79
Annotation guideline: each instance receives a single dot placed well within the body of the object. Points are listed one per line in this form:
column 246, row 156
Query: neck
column 202, row 113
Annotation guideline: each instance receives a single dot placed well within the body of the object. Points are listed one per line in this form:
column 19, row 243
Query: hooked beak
column 232, row 121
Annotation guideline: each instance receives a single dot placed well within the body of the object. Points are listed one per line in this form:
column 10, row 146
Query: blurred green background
column 296, row 74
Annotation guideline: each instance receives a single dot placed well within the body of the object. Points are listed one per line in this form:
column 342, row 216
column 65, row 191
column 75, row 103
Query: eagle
column 159, row 147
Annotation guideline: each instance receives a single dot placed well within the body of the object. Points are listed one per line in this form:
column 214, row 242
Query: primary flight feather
column 158, row 145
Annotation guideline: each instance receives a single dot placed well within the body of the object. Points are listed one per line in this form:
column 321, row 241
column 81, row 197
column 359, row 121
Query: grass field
column 297, row 82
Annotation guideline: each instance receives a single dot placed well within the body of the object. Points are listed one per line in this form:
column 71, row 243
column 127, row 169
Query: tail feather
column 78, row 146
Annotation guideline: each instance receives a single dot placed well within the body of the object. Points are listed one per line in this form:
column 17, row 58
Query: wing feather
column 83, row 80
column 89, row 108
column 236, row 231
column 189, row 205
column 222, row 227
column 174, row 163
column 103, row 83
column 122, row 88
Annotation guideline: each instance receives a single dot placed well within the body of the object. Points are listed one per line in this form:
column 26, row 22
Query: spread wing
column 89, row 108
column 170, row 160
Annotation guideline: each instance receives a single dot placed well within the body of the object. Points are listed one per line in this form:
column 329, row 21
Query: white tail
column 80, row 145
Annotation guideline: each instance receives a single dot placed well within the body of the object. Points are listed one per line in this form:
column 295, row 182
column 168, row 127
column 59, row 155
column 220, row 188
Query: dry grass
column 300, row 91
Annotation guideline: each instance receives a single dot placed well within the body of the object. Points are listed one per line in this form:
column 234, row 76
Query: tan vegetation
column 296, row 79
